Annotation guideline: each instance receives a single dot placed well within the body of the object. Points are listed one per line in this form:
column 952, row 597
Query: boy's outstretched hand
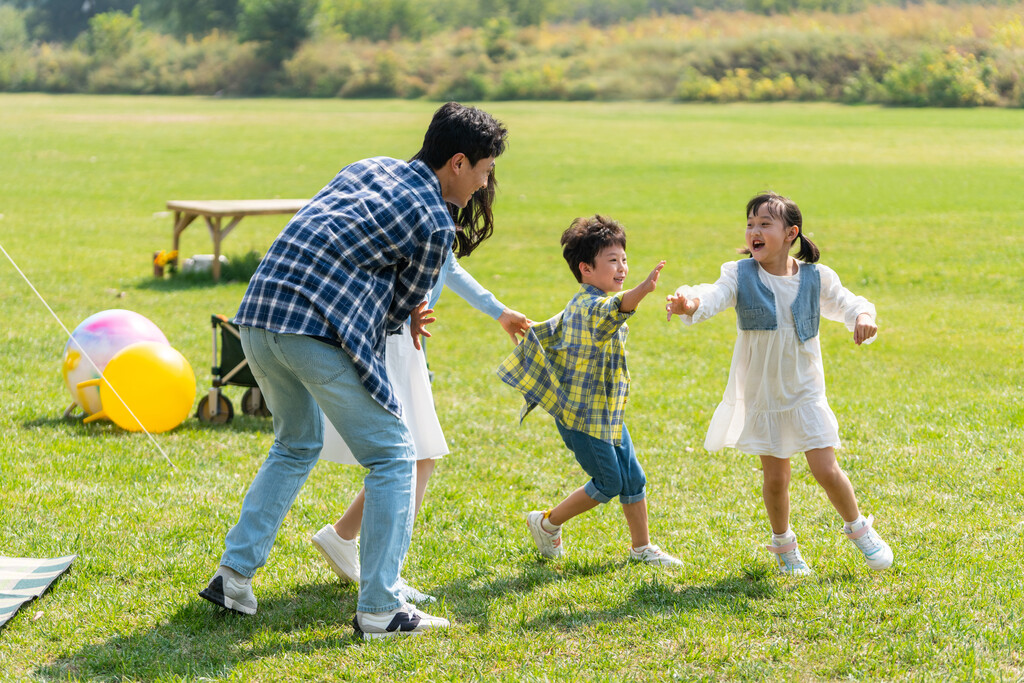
column 515, row 324
column 632, row 298
column 419, row 319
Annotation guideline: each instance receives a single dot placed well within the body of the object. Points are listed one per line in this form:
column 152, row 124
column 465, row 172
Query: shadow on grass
column 238, row 269
column 202, row 641
column 664, row 593
column 74, row 425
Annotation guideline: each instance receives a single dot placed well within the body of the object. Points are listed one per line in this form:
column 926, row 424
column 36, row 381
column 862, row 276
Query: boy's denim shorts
column 614, row 470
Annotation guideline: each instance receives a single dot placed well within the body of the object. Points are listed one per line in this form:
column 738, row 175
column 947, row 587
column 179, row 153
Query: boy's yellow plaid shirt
column 574, row 365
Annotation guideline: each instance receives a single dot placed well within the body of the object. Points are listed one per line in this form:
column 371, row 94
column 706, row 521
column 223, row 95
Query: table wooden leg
column 215, row 233
column 181, row 221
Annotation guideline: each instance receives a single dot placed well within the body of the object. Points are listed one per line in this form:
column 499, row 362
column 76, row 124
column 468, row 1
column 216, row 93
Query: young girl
column 775, row 404
column 407, row 370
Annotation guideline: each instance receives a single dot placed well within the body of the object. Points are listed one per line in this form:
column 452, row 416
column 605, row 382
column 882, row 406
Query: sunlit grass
column 917, row 210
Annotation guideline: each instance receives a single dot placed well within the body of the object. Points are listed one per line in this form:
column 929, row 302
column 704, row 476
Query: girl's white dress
column 774, row 403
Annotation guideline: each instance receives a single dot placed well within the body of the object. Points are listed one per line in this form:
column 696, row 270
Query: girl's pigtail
column 808, row 250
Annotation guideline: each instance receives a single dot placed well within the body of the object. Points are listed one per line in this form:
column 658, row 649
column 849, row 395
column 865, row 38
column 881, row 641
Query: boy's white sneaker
column 787, row 555
column 876, row 551
column 404, row 621
column 548, row 544
column 230, row 590
column 341, row 555
column 410, row 594
column 652, row 554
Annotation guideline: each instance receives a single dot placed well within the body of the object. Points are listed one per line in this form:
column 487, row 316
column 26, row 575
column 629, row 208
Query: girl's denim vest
column 755, row 303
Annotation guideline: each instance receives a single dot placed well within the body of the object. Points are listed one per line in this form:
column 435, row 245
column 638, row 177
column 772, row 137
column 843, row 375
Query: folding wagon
column 231, row 370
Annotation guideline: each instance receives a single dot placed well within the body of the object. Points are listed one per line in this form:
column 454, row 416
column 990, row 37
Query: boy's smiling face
column 609, row 270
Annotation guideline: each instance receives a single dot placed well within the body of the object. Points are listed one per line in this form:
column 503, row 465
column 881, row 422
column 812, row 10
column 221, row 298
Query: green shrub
column 947, row 79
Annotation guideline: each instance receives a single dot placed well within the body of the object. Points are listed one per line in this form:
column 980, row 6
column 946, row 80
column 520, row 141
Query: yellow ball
column 154, row 380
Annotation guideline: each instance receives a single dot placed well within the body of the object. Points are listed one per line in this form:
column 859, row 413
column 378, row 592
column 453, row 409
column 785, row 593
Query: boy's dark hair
column 457, row 128
column 586, row 237
column 786, row 210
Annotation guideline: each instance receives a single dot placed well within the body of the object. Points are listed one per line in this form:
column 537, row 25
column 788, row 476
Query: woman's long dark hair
column 786, row 210
column 475, row 222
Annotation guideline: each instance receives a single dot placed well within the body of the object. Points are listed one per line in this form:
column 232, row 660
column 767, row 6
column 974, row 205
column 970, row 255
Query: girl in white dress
column 774, row 404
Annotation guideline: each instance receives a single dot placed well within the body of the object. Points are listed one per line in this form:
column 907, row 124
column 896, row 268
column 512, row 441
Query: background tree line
column 833, row 50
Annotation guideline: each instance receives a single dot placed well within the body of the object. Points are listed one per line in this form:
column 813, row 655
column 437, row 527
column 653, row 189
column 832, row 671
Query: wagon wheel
column 224, row 410
column 253, row 403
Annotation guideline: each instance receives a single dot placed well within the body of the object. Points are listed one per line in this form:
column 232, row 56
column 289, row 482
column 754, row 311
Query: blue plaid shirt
column 353, row 263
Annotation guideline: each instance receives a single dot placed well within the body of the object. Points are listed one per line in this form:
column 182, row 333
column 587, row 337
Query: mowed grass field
column 918, row 210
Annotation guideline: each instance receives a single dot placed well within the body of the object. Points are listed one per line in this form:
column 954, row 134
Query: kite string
column 87, row 357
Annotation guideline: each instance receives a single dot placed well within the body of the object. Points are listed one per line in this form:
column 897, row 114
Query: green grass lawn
column 918, row 210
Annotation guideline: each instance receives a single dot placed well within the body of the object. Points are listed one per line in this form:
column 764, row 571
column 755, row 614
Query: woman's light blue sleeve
column 463, row 284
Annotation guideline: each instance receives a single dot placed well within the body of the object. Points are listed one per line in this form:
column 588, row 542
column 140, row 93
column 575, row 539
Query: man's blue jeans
column 296, row 374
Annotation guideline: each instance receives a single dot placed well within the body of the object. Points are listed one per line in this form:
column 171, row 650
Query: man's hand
column 419, row 319
column 514, row 323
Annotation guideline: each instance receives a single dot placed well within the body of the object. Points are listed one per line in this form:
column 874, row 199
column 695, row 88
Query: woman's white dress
column 407, row 370
column 775, row 403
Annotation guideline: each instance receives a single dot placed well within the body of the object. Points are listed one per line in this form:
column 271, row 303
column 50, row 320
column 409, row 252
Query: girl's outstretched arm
column 632, row 298
column 678, row 304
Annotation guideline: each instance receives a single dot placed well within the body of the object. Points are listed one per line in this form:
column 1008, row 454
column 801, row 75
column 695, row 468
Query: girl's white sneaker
column 787, row 555
column 876, row 551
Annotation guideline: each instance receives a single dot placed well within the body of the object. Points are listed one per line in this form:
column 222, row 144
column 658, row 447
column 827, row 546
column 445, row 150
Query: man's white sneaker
column 876, row 551
column 410, row 594
column 548, row 544
column 787, row 555
column 404, row 621
column 652, row 554
column 341, row 555
column 230, row 590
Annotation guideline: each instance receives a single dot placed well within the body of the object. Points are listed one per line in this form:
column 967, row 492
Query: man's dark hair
column 457, row 128
column 586, row 237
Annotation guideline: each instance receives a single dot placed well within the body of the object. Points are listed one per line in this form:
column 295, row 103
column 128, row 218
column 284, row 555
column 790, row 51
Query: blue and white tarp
column 25, row 578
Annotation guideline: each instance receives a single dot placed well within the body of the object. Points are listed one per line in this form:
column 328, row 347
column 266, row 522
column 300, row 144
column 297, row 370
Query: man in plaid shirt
column 574, row 366
column 348, row 269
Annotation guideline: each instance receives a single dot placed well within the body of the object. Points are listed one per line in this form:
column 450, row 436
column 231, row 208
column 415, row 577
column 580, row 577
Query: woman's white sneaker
column 342, row 556
column 876, row 551
column 410, row 594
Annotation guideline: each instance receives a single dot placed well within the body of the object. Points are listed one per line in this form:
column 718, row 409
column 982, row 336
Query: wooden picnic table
column 216, row 210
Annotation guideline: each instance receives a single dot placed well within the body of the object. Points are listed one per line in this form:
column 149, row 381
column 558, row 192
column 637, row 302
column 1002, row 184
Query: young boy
column 574, row 366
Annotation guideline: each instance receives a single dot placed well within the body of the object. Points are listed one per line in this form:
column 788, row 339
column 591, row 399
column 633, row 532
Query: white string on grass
column 86, row 354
